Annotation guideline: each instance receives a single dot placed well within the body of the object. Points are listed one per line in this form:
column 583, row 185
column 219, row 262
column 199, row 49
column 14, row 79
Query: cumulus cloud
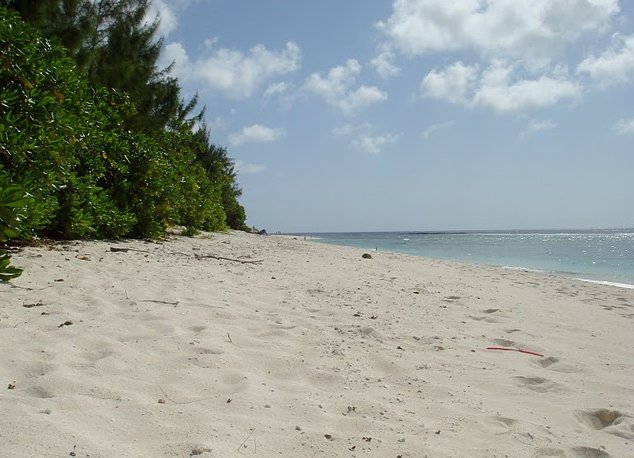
column 336, row 88
column 453, row 83
column 361, row 98
column 499, row 87
column 256, row 133
column 176, row 53
column 384, row 65
column 435, row 128
column 233, row 72
column 515, row 48
column 501, row 90
column 624, row 127
column 615, row 65
column 535, row 29
column 160, row 10
column 373, row 144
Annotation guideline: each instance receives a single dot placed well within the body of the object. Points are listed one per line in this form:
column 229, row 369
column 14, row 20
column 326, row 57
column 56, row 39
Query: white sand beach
column 306, row 350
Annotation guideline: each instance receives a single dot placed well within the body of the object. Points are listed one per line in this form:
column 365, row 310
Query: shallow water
column 605, row 255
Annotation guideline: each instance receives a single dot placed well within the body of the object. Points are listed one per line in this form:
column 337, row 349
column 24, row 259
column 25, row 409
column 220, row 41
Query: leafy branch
column 12, row 200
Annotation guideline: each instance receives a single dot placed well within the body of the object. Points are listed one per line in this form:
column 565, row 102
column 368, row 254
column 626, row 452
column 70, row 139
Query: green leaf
column 6, row 272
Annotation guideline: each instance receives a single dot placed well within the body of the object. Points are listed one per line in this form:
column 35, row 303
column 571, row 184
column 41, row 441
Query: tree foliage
column 12, row 201
column 96, row 133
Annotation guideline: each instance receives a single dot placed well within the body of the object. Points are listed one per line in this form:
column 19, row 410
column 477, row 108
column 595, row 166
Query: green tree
column 221, row 170
column 127, row 61
column 72, row 22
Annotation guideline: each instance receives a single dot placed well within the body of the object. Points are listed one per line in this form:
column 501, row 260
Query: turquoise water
column 596, row 255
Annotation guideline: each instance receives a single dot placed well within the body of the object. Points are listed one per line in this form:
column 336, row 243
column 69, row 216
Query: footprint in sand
column 548, row 452
column 538, row 384
column 500, row 425
column 554, row 364
column 40, row 392
column 209, row 351
column 367, row 331
column 506, row 343
column 232, row 382
column 589, row 452
column 486, row 319
column 98, row 353
column 491, row 315
column 39, row 369
column 276, row 331
column 610, row 421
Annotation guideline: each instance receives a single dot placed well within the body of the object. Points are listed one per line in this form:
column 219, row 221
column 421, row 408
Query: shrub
column 52, row 125
column 12, row 202
column 64, row 142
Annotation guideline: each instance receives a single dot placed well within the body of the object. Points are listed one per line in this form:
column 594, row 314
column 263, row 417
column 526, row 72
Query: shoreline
column 607, row 283
column 581, row 276
column 236, row 344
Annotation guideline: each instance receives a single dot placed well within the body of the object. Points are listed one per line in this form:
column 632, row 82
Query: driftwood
column 197, row 256
column 220, row 258
column 160, row 302
column 125, row 250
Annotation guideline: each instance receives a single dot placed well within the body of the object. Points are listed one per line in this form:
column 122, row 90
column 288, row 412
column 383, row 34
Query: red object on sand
column 528, row 352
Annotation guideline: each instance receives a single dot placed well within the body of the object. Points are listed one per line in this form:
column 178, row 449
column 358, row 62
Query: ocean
column 605, row 256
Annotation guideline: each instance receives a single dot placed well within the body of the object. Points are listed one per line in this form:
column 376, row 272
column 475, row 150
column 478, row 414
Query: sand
column 306, row 350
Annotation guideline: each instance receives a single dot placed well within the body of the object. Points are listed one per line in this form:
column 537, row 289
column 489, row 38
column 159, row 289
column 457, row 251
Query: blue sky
column 370, row 115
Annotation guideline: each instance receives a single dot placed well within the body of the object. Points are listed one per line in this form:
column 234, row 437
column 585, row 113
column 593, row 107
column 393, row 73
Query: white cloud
column 362, row 138
column 247, row 168
column 384, row 65
column 530, row 30
column 236, row 74
column 452, row 83
column 373, row 144
column 338, row 79
column 516, row 49
column 435, row 128
column 364, row 96
column 168, row 21
column 499, row 87
column 624, row 126
column 256, row 133
column 536, row 125
column 336, row 88
column 615, row 65
column 501, row 90
column 276, row 88
column 176, row 53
